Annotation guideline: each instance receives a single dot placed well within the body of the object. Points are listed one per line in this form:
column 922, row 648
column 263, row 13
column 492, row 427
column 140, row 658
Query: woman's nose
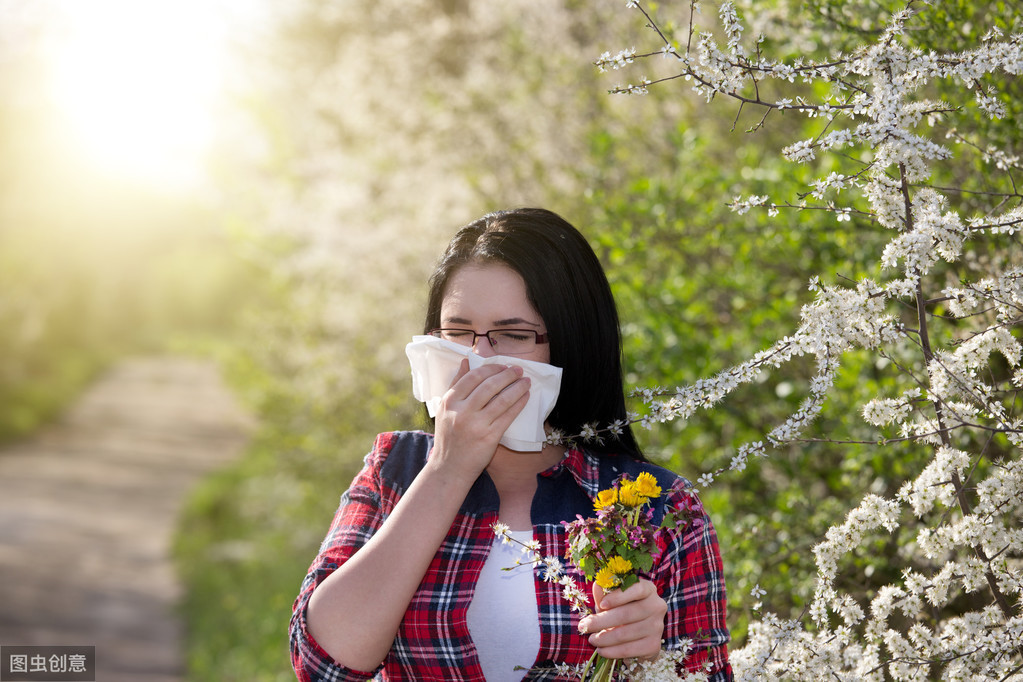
column 482, row 347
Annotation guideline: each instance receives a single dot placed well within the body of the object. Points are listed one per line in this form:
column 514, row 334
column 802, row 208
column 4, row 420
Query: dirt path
column 88, row 509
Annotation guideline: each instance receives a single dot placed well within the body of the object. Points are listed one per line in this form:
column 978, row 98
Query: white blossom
column 878, row 114
column 934, row 484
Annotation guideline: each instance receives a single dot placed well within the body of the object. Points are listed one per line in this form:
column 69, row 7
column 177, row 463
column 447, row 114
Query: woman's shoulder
column 402, row 442
column 400, row 455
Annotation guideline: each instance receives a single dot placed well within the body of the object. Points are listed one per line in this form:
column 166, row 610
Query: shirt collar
column 583, row 467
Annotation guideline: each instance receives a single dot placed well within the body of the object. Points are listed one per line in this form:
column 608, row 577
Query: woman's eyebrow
column 515, row 320
column 499, row 323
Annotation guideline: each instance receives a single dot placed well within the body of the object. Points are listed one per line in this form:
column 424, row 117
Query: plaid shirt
column 433, row 640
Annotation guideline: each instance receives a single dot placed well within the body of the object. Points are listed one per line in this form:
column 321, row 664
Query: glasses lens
column 461, row 336
column 513, row 341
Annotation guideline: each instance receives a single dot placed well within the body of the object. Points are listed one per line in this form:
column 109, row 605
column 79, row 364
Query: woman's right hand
column 473, row 415
column 379, row 581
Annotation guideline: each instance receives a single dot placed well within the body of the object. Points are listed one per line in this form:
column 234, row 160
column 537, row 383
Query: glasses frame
column 540, row 338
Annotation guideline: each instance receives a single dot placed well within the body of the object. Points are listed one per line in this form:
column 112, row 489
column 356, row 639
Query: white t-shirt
column 502, row 617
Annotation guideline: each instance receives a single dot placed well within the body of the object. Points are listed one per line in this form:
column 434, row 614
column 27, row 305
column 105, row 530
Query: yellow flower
column 610, row 576
column 619, row 565
column 629, row 496
column 646, row 485
column 606, row 578
column 605, row 498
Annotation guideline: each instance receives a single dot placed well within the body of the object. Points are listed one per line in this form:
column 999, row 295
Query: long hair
column 567, row 286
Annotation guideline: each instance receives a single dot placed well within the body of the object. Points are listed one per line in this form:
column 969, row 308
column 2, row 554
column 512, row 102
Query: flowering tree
column 942, row 309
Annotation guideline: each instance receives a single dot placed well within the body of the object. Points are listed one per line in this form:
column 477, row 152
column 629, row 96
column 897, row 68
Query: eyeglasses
column 503, row 341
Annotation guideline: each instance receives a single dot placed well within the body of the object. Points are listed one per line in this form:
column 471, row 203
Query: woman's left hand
column 628, row 623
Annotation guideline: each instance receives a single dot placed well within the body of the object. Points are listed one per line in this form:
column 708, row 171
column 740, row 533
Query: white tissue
column 434, row 365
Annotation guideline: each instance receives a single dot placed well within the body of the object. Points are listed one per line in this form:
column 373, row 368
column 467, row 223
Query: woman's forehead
column 487, row 291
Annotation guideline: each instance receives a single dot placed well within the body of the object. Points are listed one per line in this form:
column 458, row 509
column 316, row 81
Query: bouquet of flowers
column 613, row 549
column 618, row 545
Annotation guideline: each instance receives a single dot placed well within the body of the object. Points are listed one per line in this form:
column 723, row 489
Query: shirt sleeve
column 690, row 578
column 360, row 514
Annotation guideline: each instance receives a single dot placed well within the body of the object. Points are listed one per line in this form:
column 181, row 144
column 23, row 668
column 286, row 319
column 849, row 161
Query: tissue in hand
column 434, row 365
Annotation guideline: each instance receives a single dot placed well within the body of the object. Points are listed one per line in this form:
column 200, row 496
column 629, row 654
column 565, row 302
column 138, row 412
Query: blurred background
column 268, row 184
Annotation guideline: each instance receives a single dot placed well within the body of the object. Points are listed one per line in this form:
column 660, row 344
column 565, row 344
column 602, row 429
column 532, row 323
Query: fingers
column 463, row 369
column 629, row 623
column 473, row 415
column 491, row 389
column 642, row 590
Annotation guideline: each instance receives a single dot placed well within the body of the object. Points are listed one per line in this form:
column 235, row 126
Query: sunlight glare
column 138, row 85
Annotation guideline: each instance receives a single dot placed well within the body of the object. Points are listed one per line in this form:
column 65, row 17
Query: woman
column 408, row 582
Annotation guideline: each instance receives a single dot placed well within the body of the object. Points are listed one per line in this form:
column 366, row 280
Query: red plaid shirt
column 433, row 641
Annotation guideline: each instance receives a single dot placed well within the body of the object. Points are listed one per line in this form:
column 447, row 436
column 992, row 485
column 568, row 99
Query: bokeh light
column 137, row 90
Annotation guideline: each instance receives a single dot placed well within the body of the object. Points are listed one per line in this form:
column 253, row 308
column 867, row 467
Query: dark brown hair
column 567, row 286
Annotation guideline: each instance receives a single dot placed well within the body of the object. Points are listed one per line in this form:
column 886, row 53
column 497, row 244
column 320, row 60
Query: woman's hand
column 628, row 623
column 473, row 415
